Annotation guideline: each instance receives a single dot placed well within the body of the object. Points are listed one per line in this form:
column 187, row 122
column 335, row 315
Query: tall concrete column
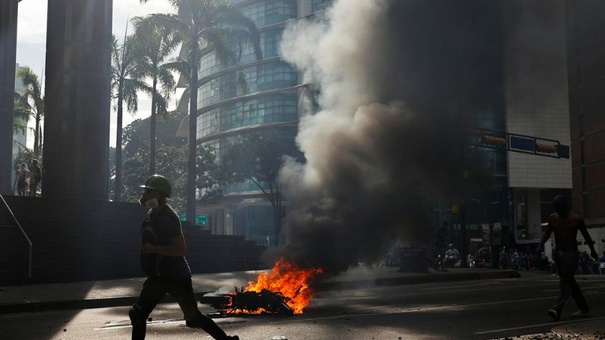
column 77, row 99
column 8, row 53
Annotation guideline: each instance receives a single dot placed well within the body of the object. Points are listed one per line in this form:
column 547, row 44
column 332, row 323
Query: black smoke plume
column 396, row 80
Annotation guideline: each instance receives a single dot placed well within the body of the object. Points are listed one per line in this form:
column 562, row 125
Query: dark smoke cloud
column 395, row 80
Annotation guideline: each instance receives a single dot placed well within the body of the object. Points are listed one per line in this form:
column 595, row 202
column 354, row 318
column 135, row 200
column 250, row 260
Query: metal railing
column 29, row 242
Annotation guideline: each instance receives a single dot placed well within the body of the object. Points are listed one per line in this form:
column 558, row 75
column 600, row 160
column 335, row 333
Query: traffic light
column 493, row 140
column 546, row 148
column 455, row 208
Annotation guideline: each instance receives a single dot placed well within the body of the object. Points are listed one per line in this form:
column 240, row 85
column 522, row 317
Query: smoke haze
column 385, row 143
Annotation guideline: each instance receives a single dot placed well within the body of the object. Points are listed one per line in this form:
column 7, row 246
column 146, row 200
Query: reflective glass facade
column 318, row 5
column 273, row 108
column 269, row 99
column 267, row 76
column 269, row 95
column 265, row 13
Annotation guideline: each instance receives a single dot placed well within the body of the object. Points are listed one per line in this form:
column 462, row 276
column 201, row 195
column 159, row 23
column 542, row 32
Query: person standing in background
column 35, row 177
column 22, row 179
column 565, row 225
column 440, row 247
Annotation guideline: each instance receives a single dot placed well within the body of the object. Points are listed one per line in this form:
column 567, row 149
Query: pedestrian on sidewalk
column 440, row 247
column 565, row 225
column 163, row 253
column 22, row 179
column 35, row 177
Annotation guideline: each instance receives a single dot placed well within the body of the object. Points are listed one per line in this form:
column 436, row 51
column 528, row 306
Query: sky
column 31, row 42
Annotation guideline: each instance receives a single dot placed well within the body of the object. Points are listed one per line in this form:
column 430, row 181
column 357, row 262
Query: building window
column 265, row 13
column 273, row 108
column 263, row 77
column 318, row 5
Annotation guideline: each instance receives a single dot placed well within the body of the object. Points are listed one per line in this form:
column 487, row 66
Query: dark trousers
column 567, row 262
column 154, row 290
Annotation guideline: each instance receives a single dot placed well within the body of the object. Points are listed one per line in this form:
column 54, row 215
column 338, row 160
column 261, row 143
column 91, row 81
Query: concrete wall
column 586, row 57
column 79, row 240
column 77, row 99
column 8, row 49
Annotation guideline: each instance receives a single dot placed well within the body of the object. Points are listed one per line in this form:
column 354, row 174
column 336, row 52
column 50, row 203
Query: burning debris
column 283, row 290
column 265, row 302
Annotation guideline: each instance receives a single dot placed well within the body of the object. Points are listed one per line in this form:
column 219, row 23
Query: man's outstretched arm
column 545, row 236
column 588, row 240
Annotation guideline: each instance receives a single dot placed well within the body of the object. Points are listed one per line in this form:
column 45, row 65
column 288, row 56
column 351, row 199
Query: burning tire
column 251, row 302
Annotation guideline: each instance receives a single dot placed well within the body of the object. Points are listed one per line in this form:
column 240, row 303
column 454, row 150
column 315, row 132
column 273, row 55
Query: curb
column 30, row 306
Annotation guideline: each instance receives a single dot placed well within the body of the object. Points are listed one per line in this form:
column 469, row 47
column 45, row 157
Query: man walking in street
column 565, row 225
column 163, row 260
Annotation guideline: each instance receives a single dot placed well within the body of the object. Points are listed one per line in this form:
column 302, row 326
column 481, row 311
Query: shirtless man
column 565, row 224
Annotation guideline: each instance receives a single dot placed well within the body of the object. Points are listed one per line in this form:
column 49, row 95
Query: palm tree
column 21, row 114
column 32, row 101
column 155, row 43
column 125, row 82
column 20, row 118
column 203, row 27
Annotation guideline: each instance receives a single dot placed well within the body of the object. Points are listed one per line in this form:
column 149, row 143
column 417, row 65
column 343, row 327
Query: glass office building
column 271, row 100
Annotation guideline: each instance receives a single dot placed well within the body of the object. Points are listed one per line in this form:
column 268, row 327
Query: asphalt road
column 479, row 309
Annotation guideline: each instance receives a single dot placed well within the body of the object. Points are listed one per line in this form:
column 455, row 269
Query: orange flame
column 288, row 280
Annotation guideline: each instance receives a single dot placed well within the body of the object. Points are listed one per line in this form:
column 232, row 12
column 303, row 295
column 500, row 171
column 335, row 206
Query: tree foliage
column 32, row 103
column 21, row 115
column 155, row 44
column 202, row 27
column 258, row 157
column 126, row 81
column 171, row 159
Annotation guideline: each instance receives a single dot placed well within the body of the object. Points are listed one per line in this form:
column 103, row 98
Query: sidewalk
column 585, row 330
column 123, row 292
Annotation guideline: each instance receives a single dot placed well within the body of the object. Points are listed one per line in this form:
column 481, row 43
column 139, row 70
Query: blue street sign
column 201, row 219
column 521, row 143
